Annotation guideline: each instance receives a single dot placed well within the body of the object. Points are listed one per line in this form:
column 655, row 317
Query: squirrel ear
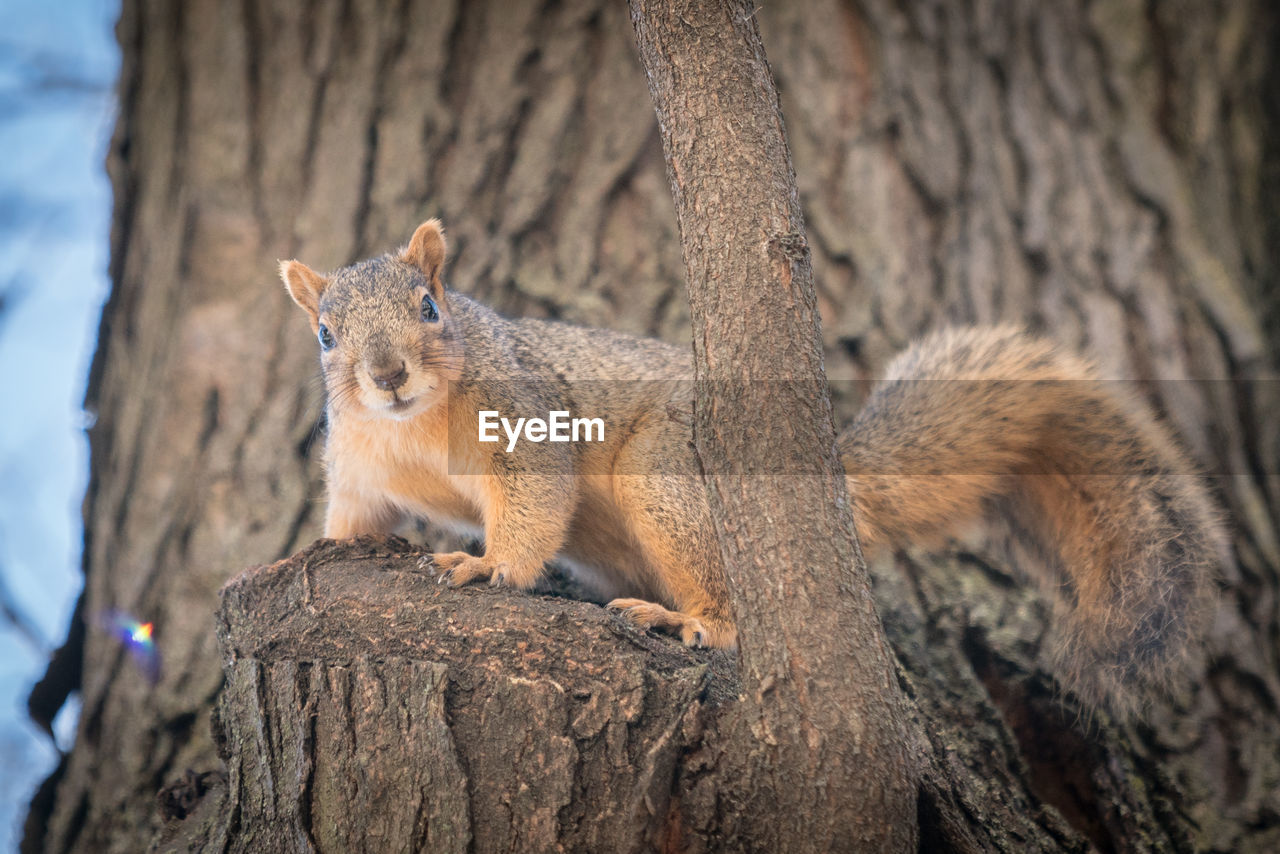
column 305, row 286
column 426, row 251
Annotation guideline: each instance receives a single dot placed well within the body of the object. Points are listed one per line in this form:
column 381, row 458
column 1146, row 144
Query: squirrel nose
column 389, row 379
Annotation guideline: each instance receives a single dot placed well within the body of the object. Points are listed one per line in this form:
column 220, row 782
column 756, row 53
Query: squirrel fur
column 965, row 419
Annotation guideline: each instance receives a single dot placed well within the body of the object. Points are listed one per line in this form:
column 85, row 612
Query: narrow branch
column 824, row 737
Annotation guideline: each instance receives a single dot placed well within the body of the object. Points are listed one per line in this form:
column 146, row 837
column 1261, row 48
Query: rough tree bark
column 1105, row 171
column 817, row 755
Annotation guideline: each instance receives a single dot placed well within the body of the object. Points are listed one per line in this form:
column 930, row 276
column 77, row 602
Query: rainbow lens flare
column 138, row 638
column 139, row 633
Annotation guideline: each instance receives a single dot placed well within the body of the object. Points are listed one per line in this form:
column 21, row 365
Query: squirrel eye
column 429, row 311
column 326, row 338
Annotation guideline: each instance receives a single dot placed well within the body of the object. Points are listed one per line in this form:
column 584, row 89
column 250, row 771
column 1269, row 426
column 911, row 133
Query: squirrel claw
column 459, row 568
column 648, row 615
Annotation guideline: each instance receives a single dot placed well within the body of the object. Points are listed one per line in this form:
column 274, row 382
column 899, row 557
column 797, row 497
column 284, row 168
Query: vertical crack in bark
column 1061, row 762
column 391, row 44
column 177, row 61
column 256, row 42
column 316, row 113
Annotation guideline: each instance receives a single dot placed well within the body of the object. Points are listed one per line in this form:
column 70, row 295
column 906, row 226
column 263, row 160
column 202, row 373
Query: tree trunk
column 1105, row 172
column 817, row 756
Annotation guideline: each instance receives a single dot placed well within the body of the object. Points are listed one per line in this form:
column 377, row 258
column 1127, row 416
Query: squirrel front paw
column 458, row 568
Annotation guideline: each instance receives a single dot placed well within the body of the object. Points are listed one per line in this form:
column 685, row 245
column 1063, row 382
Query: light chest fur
column 406, row 465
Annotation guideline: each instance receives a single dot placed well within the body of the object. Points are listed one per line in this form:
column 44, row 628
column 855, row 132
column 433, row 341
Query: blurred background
column 58, row 64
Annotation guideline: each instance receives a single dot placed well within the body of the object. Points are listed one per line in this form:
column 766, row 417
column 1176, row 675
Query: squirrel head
column 388, row 346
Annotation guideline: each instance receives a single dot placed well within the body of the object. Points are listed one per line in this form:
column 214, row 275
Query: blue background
column 58, row 65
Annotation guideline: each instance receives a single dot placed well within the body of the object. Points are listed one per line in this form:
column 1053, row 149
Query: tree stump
column 368, row 708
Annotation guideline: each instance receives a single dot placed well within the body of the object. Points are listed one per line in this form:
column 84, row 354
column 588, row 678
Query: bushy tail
column 968, row 418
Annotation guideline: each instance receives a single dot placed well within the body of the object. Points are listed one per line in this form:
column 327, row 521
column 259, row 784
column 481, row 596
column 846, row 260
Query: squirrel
column 965, row 418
